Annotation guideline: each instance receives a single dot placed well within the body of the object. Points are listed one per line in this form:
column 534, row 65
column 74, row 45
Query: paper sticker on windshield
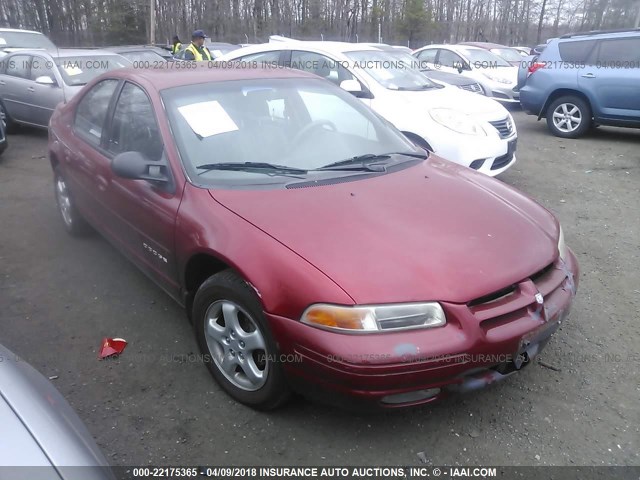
column 384, row 74
column 207, row 118
column 3, row 41
column 72, row 70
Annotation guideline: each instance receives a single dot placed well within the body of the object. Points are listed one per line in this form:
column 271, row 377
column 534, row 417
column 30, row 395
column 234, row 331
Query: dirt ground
column 60, row 296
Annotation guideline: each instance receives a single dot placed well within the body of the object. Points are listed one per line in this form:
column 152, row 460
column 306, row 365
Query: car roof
column 451, row 46
column 161, row 79
column 19, row 30
column 66, row 52
column 485, row 45
column 327, row 47
column 593, row 33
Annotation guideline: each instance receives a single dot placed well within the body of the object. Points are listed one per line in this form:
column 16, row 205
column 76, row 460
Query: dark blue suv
column 585, row 79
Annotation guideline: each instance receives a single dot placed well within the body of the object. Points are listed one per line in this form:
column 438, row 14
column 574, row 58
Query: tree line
column 402, row 22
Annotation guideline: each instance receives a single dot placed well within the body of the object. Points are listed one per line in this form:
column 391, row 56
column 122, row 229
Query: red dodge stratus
column 314, row 247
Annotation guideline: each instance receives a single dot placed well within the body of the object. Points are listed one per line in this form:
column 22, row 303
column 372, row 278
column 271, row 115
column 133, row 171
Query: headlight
column 498, row 79
column 562, row 248
column 374, row 318
column 456, row 121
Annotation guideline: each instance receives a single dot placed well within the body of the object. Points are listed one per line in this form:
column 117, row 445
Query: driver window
column 450, row 59
column 320, row 65
column 133, row 127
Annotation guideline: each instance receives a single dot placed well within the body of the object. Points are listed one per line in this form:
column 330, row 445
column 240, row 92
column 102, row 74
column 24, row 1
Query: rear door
column 14, row 86
column 612, row 80
column 86, row 165
column 44, row 98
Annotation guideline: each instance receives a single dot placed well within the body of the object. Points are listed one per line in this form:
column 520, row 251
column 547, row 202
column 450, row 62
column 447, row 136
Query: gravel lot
column 60, row 296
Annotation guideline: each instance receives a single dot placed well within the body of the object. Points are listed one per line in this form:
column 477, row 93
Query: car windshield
column 141, row 56
column 509, row 54
column 480, row 58
column 394, row 71
column 80, row 70
column 297, row 125
column 25, row 40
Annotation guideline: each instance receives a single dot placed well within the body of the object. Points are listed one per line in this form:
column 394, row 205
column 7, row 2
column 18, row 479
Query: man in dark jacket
column 196, row 49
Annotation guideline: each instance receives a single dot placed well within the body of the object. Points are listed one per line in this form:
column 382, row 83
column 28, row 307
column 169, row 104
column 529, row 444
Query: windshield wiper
column 365, row 162
column 267, row 168
column 417, row 88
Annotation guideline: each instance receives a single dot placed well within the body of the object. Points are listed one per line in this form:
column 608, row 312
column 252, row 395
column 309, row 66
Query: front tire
column 238, row 348
column 569, row 117
column 73, row 222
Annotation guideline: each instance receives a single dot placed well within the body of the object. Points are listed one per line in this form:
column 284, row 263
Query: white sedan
column 463, row 127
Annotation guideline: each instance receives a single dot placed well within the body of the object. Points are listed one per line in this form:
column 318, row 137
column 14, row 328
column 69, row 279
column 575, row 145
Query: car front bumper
column 481, row 344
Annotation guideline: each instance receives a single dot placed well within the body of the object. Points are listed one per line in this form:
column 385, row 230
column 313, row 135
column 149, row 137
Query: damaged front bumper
column 483, row 343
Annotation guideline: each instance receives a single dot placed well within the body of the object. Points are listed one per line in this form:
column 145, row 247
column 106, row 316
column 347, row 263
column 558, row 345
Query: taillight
column 534, row 67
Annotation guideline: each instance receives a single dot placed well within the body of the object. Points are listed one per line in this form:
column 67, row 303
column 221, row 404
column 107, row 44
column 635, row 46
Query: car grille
column 496, row 311
column 504, row 127
column 473, row 87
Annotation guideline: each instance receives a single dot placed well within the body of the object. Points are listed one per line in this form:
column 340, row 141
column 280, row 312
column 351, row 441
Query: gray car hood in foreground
column 40, row 429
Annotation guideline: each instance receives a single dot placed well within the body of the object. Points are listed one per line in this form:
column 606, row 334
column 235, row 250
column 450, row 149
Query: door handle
column 588, row 75
column 31, row 89
column 2, row 82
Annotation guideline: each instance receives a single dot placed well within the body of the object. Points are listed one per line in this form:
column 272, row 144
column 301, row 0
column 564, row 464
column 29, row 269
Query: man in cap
column 196, row 49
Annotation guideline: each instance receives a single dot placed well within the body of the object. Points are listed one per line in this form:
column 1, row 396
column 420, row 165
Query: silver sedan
column 33, row 82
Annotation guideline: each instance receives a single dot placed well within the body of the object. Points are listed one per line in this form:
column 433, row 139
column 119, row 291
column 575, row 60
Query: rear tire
column 73, row 222
column 9, row 125
column 569, row 117
column 234, row 337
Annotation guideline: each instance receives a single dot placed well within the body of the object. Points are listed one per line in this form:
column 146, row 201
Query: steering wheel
column 310, row 127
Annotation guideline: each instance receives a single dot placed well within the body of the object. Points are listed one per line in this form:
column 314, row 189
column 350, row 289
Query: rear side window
column 577, row 51
column 428, row 55
column 620, row 52
column 18, row 66
column 92, row 111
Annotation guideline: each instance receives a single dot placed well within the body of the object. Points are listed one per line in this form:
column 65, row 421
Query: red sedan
column 314, row 248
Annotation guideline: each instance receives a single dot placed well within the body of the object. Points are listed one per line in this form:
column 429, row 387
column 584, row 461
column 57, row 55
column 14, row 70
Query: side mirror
column 135, row 166
column 351, row 86
column 45, row 80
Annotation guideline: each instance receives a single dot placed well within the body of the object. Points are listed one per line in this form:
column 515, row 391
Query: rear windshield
column 25, row 40
column 576, row 51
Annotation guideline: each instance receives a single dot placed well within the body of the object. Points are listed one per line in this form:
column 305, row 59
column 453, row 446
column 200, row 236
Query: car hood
column 453, row 98
column 506, row 73
column 433, row 231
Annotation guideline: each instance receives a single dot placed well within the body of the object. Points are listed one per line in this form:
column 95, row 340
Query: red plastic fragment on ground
column 111, row 347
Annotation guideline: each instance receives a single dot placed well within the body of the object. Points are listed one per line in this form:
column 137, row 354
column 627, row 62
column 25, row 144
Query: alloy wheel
column 567, row 117
column 64, row 201
column 236, row 344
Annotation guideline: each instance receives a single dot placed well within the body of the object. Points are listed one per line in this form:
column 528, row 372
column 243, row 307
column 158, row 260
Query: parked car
column 524, row 51
column 314, row 247
column 581, row 80
column 142, row 55
column 33, row 82
column 511, row 55
column 12, row 39
column 436, row 76
column 462, row 127
column 497, row 76
column 41, row 429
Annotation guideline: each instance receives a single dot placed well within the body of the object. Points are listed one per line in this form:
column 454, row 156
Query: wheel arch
column 561, row 92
